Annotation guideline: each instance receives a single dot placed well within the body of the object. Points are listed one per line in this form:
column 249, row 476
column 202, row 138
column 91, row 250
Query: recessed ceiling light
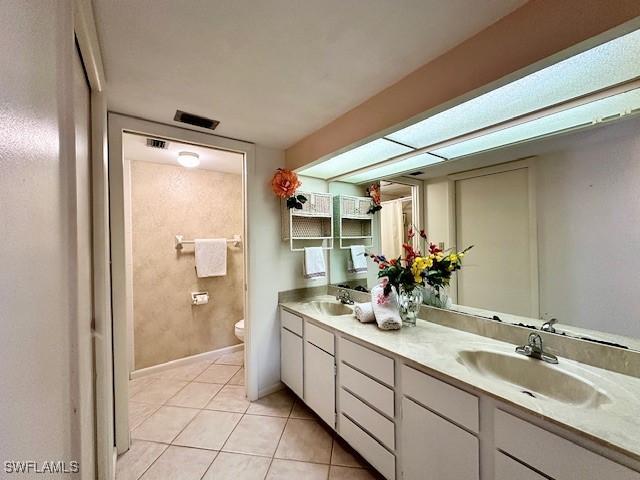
column 189, row 159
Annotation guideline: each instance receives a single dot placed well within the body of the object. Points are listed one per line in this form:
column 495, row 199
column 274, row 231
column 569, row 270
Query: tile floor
column 194, row 423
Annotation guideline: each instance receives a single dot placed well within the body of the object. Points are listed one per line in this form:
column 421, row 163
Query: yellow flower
column 453, row 258
column 419, row 265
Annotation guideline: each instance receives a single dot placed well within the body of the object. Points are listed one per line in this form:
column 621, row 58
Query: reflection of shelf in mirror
column 309, row 214
column 347, row 237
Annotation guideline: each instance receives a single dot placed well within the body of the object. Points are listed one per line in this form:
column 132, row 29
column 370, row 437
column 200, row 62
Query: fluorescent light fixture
column 188, row 159
column 580, row 116
column 600, row 67
column 362, row 156
column 410, row 164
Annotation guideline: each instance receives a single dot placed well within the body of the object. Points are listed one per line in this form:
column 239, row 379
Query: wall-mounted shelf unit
column 352, row 224
column 312, row 226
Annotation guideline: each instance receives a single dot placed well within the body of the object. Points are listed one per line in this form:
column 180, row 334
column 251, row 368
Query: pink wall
column 535, row 31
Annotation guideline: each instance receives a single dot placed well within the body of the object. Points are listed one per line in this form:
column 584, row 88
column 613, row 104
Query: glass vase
column 436, row 297
column 409, row 300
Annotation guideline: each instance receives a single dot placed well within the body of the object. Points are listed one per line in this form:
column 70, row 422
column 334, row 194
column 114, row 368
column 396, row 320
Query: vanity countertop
column 436, row 348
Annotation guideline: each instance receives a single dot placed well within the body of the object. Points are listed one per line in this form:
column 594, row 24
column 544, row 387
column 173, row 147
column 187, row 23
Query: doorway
column 175, row 321
column 400, row 212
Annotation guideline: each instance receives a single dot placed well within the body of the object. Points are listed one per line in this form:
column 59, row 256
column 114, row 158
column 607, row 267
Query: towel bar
column 181, row 242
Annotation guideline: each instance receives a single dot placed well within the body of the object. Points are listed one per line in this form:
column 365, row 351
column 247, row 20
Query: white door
column 436, row 449
column 291, row 361
column 84, row 270
column 320, row 384
column 493, row 214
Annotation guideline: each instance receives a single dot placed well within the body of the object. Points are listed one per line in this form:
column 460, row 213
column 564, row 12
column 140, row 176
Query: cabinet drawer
column 507, row 469
column 291, row 322
column 319, row 337
column 451, row 402
column 372, row 363
column 553, row 455
column 383, row 460
column 374, row 393
column 380, row 427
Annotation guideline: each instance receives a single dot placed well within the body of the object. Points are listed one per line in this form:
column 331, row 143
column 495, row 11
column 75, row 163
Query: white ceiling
column 135, row 148
column 273, row 71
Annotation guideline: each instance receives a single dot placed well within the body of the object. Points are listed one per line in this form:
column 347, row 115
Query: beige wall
column 532, row 33
column 167, row 200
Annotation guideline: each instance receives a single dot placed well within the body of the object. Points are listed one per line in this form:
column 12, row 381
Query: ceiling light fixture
column 188, row 159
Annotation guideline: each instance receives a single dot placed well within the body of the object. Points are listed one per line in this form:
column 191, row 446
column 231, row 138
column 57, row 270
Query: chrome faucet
column 534, row 349
column 344, row 297
column 549, row 326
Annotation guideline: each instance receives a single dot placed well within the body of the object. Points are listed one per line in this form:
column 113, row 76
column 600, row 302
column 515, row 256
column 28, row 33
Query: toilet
column 239, row 330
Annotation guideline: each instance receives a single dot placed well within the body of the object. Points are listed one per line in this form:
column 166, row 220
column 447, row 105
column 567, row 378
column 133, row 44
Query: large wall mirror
column 555, row 225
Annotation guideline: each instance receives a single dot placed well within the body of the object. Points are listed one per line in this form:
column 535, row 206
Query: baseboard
column 212, row 355
column 272, row 389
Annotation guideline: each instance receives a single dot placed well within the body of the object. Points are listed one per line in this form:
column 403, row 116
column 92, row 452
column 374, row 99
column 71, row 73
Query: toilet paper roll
column 200, row 299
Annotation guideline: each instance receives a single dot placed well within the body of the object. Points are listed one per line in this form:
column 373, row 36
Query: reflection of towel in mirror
column 364, row 312
column 211, row 257
column 386, row 309
column 358, row 261
column 314, row 265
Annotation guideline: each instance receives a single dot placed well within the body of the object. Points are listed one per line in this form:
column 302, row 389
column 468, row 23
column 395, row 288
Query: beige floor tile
column 300, row 410
column 209, row 429
column 158, row 391
column 139, row 384
column 195, row 395
column 277, row 404
column 256, row 435
column 179, row 463
column 133, row 463
column 305, row 440
column 238, row 378
column 185, row 373
column 218, row 374
column 343, row 455
column 290, row 470
column 165, row 424
column 349, row 473
column 235, row 358
column 234, row 466
column 139, row 412
column 231, row 398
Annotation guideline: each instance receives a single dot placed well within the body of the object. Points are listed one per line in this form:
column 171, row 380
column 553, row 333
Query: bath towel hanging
column 211, row 257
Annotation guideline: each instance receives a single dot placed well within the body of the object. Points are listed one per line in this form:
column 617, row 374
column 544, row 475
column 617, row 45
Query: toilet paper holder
column 199, row 298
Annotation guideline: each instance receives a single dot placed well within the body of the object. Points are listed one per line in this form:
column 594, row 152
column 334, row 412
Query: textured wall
column 167, row 200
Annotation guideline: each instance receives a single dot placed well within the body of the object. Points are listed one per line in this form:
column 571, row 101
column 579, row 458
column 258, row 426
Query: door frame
column 529, row 164
column 121, row 255
column 86, row 37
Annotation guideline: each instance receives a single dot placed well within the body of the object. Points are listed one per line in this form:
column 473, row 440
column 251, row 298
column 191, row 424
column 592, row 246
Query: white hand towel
column 211, row 257
column 358, row 261
column 386, row 309
column 314, row 266
column 364, row 312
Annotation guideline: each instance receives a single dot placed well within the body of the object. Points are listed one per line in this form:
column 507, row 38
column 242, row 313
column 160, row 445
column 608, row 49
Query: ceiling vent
column 415, row 174
column 157, row 143
column 196, row 120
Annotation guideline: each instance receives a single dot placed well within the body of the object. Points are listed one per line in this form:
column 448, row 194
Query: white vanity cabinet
column 319, row 372
column 439, row 423
column 291, row 352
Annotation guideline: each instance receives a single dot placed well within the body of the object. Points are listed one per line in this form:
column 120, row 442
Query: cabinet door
column 320, row 387
column 434, row 448
column 291, row 361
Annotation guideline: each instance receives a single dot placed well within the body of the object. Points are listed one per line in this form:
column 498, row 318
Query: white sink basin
column 534, row 378
column 331, row 309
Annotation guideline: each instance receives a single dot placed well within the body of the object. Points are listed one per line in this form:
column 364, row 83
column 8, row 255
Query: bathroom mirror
column 555, row 225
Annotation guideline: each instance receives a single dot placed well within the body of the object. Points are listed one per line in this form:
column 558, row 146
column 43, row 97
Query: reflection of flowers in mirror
column 373, row 191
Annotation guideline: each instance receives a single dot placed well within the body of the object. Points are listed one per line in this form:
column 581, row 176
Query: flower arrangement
column 284, row 184
column 433, row 268
column 373, row 191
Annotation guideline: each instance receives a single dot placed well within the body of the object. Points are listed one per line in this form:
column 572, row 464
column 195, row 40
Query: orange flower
column 285, row 183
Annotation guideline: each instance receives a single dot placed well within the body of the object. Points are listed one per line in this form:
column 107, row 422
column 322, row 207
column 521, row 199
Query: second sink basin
column 332, row 309
column 534, row 377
